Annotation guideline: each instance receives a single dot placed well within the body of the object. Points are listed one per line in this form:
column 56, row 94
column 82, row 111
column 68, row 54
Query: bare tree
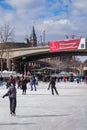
column 6, row 35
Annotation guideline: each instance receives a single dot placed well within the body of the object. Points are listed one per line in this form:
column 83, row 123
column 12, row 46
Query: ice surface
column 40, row 110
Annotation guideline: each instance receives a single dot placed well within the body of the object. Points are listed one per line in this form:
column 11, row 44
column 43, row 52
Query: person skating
column 23, row 84
column 53, row 87
column 33, row 83
column 12, row 98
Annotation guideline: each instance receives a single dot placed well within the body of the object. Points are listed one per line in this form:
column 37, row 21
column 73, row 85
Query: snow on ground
column 40, row 110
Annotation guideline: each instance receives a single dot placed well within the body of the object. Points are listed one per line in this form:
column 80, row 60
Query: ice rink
column 40, row 110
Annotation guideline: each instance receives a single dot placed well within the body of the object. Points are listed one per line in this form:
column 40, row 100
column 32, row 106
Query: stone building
column 26, row 43
column 33, row 38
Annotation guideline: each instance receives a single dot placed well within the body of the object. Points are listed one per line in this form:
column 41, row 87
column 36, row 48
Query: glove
column 48, row 88
column 3, row 96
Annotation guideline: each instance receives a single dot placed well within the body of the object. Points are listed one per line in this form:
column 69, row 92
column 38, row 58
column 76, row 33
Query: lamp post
column 41, row 40
column 24, row 69
column 44, row 37
column 12, row 66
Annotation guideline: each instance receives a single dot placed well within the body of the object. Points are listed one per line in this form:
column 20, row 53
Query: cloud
column 80, row 7
column 80, row 4
column 55, row 17
column 18, row 4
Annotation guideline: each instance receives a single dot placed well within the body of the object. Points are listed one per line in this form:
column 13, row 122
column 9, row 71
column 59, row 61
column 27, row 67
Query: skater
column 12, row 98
column 53, row 87
column 33, row 83
column 24, row 84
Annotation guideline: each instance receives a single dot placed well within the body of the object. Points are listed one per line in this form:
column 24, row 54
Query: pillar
column 9, row 64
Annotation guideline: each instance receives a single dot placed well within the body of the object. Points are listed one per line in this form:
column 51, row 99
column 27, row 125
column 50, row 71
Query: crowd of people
column 22, row 84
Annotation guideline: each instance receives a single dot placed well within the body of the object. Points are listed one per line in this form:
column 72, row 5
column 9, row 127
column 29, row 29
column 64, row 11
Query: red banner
column 64, row 45
column 53, row 46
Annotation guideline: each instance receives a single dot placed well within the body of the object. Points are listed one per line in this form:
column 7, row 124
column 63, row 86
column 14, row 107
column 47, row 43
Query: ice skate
column 13, row 114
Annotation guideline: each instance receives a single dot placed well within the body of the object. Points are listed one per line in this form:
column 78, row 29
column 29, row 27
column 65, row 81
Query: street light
column 44, row 37
column 24, row 69
column 12, row 67
column 41, row 40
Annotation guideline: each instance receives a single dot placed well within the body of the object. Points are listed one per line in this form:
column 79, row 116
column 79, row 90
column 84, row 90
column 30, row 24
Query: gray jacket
column 11, row 92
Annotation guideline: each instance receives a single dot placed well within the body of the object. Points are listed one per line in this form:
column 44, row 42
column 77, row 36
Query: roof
column 33, row 35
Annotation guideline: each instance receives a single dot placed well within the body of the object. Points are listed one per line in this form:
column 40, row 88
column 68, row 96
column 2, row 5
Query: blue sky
column 57, row 17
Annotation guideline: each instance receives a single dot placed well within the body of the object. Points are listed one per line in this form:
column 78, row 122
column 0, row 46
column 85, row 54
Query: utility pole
column 41, row 40
column 44, row 37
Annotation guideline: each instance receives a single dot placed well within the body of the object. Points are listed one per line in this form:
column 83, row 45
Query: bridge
column 39, row 52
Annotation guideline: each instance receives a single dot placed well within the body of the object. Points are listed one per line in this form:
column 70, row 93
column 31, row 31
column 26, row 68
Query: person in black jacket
column 53, row 87
column 23, row 84
column 12, row 98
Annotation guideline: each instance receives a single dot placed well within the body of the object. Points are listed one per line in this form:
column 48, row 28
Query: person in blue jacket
column 33, row 80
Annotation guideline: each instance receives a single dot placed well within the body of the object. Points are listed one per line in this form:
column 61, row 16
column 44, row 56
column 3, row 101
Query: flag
column 67, row 37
